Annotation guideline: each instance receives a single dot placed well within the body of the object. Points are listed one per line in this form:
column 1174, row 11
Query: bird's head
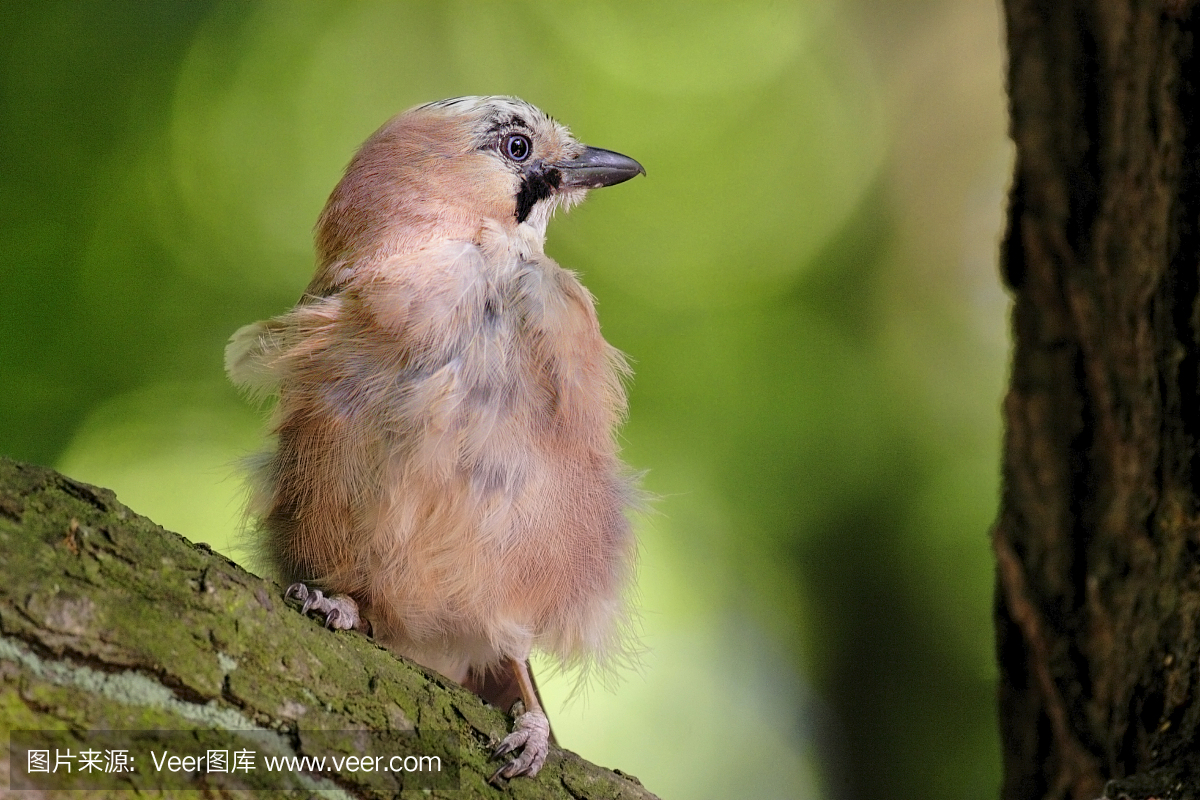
column 454, row 166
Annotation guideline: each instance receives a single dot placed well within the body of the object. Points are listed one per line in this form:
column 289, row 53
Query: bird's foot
column 339, row 611
column 531, row 734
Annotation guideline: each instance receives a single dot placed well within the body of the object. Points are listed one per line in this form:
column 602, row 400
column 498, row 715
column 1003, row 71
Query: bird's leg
column 339, row 611
column 531, row 732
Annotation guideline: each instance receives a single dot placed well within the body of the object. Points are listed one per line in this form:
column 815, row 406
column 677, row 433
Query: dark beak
column 596, row 168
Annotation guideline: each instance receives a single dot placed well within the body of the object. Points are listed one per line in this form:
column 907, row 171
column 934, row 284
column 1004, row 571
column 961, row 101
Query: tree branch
column 109, row 622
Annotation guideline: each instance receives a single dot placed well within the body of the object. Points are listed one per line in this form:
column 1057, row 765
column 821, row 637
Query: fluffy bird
column 444, row 471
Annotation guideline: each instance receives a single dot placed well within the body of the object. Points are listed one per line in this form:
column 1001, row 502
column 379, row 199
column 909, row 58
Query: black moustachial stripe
column 536, row 185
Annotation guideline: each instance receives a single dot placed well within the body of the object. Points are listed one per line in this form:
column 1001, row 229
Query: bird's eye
column 516, row 146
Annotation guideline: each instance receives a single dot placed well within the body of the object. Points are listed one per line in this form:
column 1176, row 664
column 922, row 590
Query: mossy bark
column 109, row 622
column 1098, row 538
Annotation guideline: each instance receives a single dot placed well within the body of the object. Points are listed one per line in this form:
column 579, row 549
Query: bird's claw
column 339, row 612
column 531, row 734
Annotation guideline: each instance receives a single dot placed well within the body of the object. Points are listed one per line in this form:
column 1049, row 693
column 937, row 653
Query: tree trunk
column 1098, row 537
column 110, row 623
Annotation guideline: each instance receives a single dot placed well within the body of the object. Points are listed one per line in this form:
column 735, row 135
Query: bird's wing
column 255, row 357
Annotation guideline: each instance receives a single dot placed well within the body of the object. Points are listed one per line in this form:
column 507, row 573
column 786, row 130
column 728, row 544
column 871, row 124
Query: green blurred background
column 806, row 283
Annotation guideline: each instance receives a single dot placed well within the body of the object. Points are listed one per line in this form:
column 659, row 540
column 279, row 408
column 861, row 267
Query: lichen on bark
column 110, row 623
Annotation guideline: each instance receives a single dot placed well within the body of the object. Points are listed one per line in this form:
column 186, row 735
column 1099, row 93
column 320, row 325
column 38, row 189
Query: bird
column 444, row 468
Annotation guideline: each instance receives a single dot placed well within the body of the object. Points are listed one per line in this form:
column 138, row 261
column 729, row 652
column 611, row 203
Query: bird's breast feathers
column 447, row 341
column 508, row 334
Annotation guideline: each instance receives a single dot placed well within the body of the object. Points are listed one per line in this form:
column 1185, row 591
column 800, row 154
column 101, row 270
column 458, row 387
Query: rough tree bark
column 108, row 622
column 1098, row 537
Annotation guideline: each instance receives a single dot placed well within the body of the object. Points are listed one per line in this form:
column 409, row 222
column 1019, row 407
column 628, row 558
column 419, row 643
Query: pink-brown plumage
column 445, row 449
